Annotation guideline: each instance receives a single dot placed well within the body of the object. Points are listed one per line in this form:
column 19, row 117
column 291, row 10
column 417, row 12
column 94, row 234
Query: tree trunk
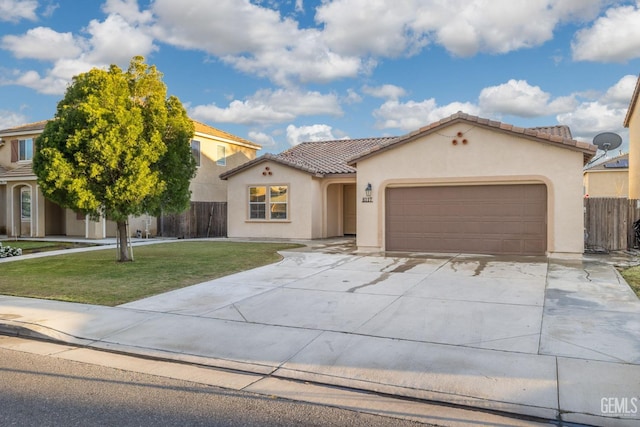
column 123, row 255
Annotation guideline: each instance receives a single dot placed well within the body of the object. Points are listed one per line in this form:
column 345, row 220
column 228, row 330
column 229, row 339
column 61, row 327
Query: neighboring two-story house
column 24, row 211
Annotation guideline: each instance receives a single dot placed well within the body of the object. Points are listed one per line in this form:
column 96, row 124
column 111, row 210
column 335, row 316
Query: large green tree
column 118, row 146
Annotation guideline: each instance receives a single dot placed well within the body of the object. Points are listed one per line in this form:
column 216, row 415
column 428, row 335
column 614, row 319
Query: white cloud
column 463, row 27
column 262, row 139
column 296, row 135
column 112, row 41
column 9, row 119
column 128, row 9
column 254, row 40
column 270, row 106
column 619, row 95
column 614, row 37
column 43, row 43
column 15, row 10
column 412, row 115
column 240, row 27
column 369, row 27
column 387, row 91
column 591, row 118
column 601, row 112
column 519, row 98
column 352, row 97
column 116, row 41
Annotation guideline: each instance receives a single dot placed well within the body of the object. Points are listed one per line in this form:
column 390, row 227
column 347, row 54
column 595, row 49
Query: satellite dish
column 607, row 141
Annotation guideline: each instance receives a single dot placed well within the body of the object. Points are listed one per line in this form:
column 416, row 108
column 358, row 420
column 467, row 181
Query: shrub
column 7, row 251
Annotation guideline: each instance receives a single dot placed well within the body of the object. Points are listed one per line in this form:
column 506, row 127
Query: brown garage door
column 483, row 219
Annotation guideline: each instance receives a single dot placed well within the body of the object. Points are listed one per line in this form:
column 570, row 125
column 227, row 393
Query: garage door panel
column 501, row 219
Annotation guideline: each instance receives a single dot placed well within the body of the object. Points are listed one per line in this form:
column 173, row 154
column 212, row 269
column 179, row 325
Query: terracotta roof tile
column 330, row 157
column 340, row 156
column 29, row 127
column 318, row 157
column 204, row 128
column 560, row 130
column 199, row 127
column 22, row 171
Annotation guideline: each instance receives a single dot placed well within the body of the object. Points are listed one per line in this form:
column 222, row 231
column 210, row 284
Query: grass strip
column 96, row 278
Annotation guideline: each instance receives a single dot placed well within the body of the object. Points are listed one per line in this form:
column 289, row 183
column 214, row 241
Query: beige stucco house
column 24, row 211
column 632, row 121
column 609, row 178
column 462, row 184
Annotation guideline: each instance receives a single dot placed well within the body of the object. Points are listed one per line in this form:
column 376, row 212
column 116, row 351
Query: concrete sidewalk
column 554, row 340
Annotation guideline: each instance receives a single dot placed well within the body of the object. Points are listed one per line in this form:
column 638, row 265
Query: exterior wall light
column 367, row 194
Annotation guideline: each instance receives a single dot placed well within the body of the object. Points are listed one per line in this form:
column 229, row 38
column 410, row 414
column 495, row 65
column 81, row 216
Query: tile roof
column 329, row 157
column 29, row 127
column 560, row 130
column 318, row 157
column 551, row 135
column 22, row 171
column 615, row 163
column 210, row 130
column 632, row 103
column 199, row 127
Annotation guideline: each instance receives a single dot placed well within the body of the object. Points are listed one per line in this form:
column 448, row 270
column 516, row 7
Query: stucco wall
column 304, row 199
column 607, row 183
column 634, row 154
column 207, row 186
column 488, row 157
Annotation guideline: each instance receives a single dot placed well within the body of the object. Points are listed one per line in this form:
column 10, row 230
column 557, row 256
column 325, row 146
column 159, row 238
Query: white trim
column 37, row 216
column 13, row 224
column 18, row 178
column 35, row 133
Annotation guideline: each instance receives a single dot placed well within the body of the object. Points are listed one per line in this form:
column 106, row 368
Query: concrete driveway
column 533, row 336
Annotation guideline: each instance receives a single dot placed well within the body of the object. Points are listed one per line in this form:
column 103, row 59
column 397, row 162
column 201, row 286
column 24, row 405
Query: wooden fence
column 202, row 219
column 609, row 223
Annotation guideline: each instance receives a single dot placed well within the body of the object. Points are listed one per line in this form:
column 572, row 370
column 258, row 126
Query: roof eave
column 588, row 149
column 228, row 141
column 265, row 158
column 632, row 103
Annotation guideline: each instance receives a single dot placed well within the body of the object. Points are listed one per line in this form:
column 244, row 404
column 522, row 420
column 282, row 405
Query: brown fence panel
column 633, row 215
column 202, row 219
column 608, row 223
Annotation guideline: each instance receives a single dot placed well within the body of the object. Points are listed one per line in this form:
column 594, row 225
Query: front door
column 349, row 203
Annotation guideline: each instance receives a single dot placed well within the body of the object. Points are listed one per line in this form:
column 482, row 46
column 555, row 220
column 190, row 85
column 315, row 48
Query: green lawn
column 96, row 278
column 632, row 276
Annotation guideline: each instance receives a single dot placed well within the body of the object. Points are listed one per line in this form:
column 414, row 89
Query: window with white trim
column 269, row 202
column 221, row 155
column 25, row 204
column 25, row 149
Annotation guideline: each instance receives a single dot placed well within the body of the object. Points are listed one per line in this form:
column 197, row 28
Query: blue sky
column 282, row 72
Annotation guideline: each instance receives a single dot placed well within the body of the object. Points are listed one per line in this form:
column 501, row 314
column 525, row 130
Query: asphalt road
column 46, row 391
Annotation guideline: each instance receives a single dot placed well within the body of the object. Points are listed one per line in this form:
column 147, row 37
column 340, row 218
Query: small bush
column 7, row 251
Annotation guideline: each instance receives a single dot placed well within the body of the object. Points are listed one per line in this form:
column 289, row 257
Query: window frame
column 196, row 152
column 25, row 191
column 24, row 154
column 221, row 159
column 268, row 203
